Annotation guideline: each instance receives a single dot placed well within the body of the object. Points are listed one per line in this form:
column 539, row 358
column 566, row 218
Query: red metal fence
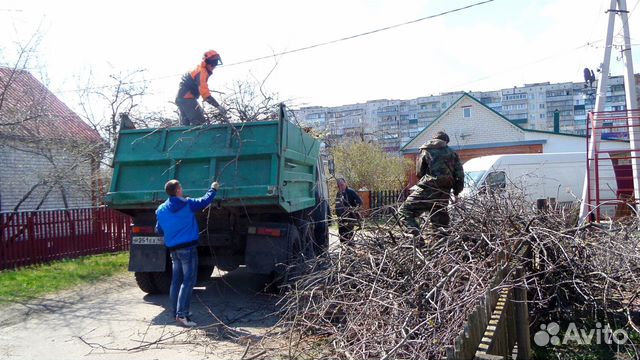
column 611, row 163
column 30, row 237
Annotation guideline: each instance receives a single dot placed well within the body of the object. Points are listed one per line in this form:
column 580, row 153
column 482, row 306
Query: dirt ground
column 114, row 319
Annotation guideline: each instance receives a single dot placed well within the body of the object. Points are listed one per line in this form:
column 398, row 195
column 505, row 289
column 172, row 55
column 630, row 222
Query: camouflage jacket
column 438, row 167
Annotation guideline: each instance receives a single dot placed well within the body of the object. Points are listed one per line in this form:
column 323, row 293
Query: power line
column 591, row 44
column 362, row 34
column 628, row 17
column 309, row 47
column 558, row 54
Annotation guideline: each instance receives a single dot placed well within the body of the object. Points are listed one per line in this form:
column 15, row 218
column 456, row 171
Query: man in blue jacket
column 177, row 222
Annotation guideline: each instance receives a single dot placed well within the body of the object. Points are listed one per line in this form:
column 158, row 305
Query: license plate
column 147, row 240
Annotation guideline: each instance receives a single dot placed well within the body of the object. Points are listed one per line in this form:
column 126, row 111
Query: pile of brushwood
column 382, row 296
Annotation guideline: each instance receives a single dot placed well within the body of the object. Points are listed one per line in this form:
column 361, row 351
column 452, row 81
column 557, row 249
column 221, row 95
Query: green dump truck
column 271, row 211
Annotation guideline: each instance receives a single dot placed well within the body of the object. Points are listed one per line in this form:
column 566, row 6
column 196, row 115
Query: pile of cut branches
column 382, row 296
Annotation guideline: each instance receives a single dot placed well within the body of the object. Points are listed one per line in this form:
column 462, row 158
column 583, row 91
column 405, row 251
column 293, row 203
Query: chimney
column 556, row 121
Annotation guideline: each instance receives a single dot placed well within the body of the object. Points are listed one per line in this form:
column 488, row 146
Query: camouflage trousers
column 420, row 201
column 191, row 113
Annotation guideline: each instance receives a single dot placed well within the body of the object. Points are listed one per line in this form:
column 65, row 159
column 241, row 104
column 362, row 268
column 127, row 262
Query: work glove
column 215, row 185
column 211, row 101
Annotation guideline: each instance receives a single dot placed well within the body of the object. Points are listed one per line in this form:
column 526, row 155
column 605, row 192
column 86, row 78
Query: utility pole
column 617, row 7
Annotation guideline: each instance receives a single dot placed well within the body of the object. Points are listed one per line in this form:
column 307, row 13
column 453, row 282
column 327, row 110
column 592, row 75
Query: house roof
column 406, row 147
column 34, row 111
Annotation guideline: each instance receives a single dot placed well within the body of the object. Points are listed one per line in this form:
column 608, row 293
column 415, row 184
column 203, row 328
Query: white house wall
column 483, row 127
column 558, row 143
column 21, row 170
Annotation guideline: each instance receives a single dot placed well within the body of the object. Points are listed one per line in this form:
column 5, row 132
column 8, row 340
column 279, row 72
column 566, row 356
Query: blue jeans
column 185, row 271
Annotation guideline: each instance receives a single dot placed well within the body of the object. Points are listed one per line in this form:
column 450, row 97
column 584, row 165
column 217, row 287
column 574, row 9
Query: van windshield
column 472, row 178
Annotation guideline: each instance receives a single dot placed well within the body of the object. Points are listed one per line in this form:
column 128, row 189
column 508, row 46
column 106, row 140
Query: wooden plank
column 523, row 336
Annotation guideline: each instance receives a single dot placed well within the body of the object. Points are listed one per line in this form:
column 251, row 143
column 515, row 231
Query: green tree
column 366, row 165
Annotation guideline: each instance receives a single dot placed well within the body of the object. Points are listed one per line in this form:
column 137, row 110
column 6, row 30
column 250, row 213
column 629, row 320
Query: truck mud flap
column 265, row 251
column 147, row 254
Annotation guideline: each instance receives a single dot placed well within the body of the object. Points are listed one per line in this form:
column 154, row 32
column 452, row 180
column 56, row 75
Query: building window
column 466, row 112
column 514, row 97
column 514, row 107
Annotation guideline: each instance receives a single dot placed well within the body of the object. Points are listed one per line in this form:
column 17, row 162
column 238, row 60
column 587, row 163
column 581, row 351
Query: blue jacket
column 177, row 221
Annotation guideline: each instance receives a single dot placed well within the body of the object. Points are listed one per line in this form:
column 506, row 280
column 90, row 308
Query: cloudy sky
column 499, row 44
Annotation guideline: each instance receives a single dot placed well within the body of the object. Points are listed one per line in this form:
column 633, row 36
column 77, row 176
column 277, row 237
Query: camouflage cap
column 441, row 135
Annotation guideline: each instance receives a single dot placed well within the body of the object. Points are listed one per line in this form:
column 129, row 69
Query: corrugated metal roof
column 37, row 111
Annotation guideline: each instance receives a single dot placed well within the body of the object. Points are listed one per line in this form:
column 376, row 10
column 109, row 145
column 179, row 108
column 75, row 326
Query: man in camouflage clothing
column 439, row 171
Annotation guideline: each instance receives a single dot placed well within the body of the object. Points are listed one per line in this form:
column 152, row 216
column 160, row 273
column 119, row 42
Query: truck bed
column 268, row 163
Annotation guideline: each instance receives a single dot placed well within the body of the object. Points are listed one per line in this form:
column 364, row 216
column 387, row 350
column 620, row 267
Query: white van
column 558, row 176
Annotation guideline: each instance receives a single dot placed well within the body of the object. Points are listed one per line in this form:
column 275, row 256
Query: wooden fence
column 31, row 237
column 383, row 202
column 498, row 328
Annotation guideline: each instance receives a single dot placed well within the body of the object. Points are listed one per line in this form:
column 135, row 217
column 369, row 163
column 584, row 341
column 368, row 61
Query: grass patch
column 36, row 280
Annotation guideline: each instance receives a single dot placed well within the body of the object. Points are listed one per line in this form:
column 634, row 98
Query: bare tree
column 102, row 105
column 245, row 101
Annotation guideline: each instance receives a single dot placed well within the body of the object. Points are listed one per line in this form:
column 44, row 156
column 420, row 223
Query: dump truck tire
column 300, row 251
column 146, row 282
column 162, row 281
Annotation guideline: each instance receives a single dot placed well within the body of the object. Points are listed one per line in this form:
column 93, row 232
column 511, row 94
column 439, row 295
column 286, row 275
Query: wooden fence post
column 522, row 318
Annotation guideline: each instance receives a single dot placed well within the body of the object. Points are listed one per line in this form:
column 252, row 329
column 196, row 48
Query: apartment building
column 393, row 123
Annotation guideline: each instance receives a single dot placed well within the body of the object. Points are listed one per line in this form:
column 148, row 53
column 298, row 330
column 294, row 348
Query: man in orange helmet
column 193, row 85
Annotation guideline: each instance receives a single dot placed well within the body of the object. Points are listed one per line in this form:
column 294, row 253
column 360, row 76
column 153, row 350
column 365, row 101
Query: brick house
column 50, row 157
column 477, row 130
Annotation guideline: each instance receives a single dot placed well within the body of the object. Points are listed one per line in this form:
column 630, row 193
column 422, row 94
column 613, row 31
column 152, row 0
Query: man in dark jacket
column 439, row 171
column 177, row 222
column 193, row 85
column 347, row 203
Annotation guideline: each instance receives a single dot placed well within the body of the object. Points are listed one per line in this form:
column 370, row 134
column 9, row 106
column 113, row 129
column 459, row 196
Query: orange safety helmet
column 212, row 57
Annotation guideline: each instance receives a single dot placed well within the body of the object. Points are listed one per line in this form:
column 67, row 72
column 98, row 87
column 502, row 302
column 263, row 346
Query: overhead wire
column 591, row 44
column 362, row 34
column 308, row 47
column 588, row 44
column 458, row 86
column 628, row 17
column 592, row 27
